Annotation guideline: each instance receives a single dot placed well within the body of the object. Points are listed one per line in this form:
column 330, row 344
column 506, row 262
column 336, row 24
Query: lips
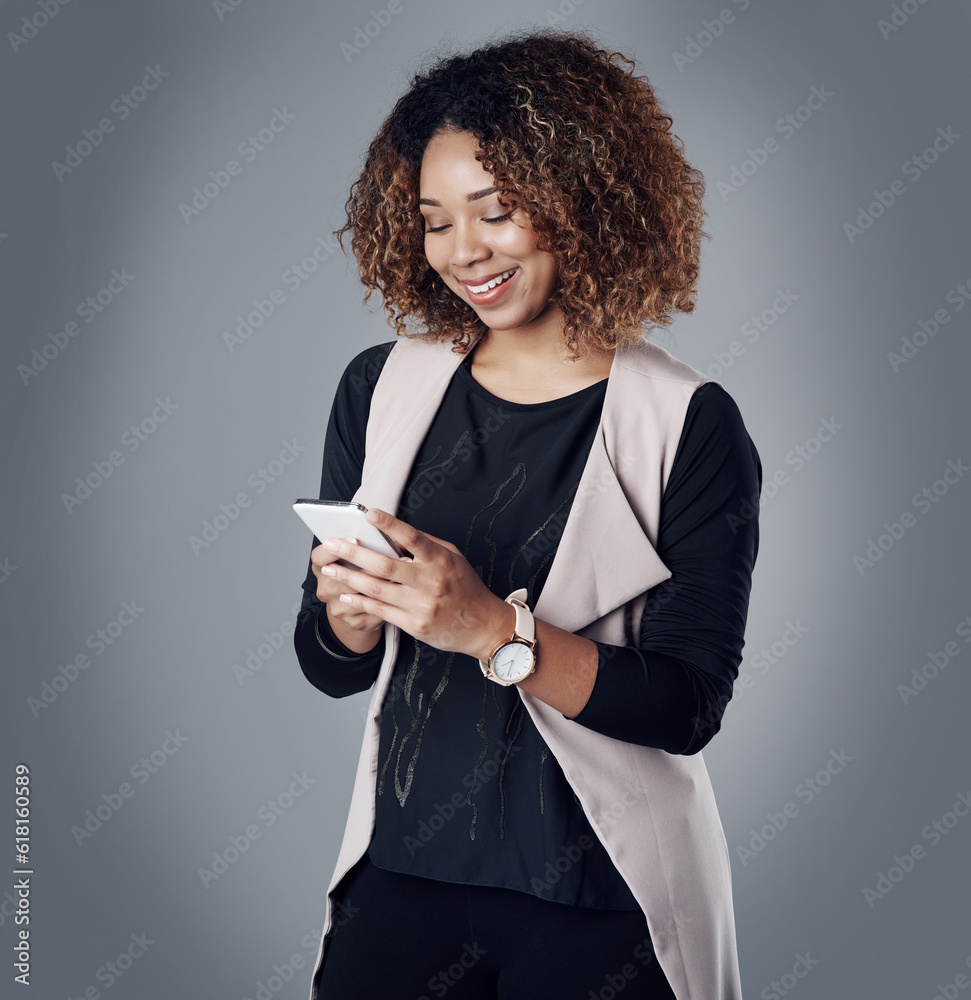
column 488, row 288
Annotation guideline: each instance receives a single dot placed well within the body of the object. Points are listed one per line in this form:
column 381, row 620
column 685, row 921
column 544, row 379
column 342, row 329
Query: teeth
column 478, row 289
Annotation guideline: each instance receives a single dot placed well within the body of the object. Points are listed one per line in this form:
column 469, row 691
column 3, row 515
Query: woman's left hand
column 436, row 596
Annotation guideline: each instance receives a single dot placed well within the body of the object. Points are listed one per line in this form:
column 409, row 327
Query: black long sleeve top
column 462, row 766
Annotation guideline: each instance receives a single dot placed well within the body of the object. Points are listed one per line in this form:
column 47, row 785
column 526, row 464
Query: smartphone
column 340, row 519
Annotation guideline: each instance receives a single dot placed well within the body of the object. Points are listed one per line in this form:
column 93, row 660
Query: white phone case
column 344, row 520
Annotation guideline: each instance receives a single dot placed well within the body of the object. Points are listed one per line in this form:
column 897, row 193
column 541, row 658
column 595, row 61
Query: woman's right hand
column 343, row 617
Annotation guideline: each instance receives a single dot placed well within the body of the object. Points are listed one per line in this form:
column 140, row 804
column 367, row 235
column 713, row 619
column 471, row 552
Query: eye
column 496, row 219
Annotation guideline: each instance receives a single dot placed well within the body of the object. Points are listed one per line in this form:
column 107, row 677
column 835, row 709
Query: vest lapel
column 604, row 557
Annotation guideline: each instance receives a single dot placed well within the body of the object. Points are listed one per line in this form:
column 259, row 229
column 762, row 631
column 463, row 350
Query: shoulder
column 368, row 363
column 697, row 411
column 404, row 355
column 661, row 375
column 646, row 360
column 714, row 433
column 713, row 406
column 651, row 382
column 362, row 371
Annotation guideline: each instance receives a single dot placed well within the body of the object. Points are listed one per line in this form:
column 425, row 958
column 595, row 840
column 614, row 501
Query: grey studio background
column 151, row 564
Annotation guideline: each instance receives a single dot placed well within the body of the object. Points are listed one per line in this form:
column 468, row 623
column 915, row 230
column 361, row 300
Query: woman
column 531, row 816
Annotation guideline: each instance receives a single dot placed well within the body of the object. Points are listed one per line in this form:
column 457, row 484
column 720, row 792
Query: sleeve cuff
column 333, row 646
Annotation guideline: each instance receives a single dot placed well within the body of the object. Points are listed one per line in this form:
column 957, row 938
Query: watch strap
column 524, row 632
column 525, row 624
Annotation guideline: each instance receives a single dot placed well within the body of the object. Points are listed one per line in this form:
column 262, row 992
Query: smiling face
column 486, row 256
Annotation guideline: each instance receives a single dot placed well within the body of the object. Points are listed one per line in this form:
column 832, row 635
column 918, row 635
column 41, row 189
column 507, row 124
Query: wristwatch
column 513, row 660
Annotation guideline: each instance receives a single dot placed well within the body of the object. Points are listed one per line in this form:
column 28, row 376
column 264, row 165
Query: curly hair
column 578, row 143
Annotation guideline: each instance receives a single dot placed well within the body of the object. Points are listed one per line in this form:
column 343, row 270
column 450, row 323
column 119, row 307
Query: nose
column 468, row 245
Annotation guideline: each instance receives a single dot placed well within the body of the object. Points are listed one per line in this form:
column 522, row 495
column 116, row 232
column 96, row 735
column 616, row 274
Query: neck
column 540, row 346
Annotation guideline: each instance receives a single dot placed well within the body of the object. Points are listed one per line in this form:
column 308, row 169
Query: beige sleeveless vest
column 654, row 812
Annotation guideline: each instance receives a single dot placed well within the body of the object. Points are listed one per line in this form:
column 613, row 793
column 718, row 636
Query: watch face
column 513, row 661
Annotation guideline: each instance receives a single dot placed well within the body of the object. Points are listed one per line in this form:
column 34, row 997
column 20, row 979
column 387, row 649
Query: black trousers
column 403, row 936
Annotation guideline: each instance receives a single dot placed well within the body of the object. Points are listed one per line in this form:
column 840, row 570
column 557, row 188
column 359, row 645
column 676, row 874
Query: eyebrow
column 475, row 196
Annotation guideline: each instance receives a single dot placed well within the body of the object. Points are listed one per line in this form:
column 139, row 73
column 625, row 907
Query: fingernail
column 328, row 571
column 332, row 544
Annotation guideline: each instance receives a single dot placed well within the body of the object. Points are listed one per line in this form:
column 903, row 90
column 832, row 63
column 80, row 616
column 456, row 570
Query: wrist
column 497, row 630
column 358, row 641
column 513, row 658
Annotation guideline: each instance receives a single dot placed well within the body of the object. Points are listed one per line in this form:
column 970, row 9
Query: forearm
column 566, row 669
column 638, row 696
column 566, row 664
column 655, row 699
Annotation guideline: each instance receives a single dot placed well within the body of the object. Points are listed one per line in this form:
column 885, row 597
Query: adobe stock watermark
column 904, row 864
column 365, row 33
column 22, row 946
column 446, row 811
column 17, row 905
column 568, row 856
column 258, row 482
column 951, row 990
column 788, row 981
column 910, row 346
column 563, row 10
column 260, row 653
column 7, row 570
column 263, row 308
column 913, row 168
column 766, row 658
column 924, row 501
column 268, row 814
column 112, row 971
column 806, row 791
column 796, row 458
column 141, row 772
column 283, row 972
column 712, row 29
column 224, row 7
column 20, row 904
column 934, row 664
column 752, row 330
column 660, row 595
column 121, row 107
column 220, row 179
column 617, row 809
column 131, row 440
column 87, row 309
column 786, row 126
column 543, row 540
column 593, row 490
column 30, row 25
column 616, row 982
column 899, row 15
column 98, row 641
column 365, row 378
column 428, row 482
